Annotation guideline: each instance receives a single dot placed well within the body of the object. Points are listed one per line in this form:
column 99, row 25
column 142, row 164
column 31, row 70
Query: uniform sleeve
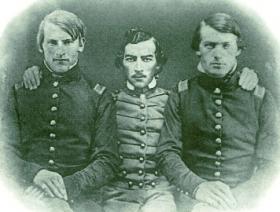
column 170, row 149
column 105, row 160
column 268, row 138
column 16, row 167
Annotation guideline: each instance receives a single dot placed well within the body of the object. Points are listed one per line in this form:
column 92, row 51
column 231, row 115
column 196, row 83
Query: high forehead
column 207, row 33
column 52, row 31
column 142, row 48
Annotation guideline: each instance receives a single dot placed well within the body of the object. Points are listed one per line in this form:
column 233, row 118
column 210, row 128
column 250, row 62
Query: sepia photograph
column 139, row 106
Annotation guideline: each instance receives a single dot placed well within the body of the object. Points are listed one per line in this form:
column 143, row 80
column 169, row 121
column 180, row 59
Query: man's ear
column 198, row 53
column 238, row 52
column 82, row 42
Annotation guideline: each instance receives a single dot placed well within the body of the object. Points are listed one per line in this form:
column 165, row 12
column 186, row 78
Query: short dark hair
column 137, row 35
column 221, row 22
column 67, row 21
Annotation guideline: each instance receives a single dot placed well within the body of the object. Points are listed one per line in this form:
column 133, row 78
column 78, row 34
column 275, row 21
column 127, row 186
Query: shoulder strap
column 259, row 91
column 18, row 85
column 183, row 85
column 99, row 89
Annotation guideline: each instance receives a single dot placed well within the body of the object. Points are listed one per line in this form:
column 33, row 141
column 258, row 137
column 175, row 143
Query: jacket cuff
column 72, row 188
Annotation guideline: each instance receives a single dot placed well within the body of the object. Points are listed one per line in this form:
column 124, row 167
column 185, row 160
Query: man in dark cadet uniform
column 67, row 128
column 219, row 142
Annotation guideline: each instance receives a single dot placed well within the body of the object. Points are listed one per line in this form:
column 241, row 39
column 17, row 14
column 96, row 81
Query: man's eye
column 52, row 42
column 226, row 45
column 209, row 45
column 129, row 59
column 67, row 42
column 147, row 59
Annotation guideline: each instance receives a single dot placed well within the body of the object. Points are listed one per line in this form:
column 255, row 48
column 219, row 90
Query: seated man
column 67, row 128
column 219, row 143
column 139, row 114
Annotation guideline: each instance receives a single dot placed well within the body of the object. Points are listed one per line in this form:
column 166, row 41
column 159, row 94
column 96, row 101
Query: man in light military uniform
column 67, row 127
column 139, row 113
column 219, row 143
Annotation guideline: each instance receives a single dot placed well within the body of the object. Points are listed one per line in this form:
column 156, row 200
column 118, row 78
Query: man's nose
column 60, row 50
column 218, row 52
column 138, row 66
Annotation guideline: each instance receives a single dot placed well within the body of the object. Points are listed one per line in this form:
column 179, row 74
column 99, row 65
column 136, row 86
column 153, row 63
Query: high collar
column 130, row 89
column 73, row 74
column 229, row 82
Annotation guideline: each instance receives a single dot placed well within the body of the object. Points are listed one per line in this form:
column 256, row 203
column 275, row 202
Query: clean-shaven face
column 140, row 63
column 217, row 51
column 60, row 51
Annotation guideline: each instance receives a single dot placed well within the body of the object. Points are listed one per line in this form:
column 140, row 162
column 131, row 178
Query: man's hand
column 33, row 192
column 31, row 77
column 248, row 79
column 216, row 194
column 51, row 182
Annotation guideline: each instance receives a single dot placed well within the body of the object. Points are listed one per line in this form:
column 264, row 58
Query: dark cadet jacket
column 139, row 121
column 214, row 130
column 65, row 126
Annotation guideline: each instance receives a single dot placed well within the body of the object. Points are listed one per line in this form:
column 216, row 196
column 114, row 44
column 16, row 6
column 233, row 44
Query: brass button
column 156, row 173
column 218, row 127
column 218, row 153
column 142, row 105
column 217, row 163
column 55, row 95
column 55, row 84
column 218, row 140
column 140, row 172
column 52, row 122
column 142, row 145
column 141, row 159
column 142, row 132
column 53, row 108
column 141, row 185
column 217, row 174
column 115, row 98
column 117, row 91
column 178, row 189
column 130, row 183
column 121, row 157
column 142, row 118
column 218, row 115
column 186, row 193
column 153, row 184
column 124, row 172
column 217, row 91
column 118, row 142
column 51, row 162
column 52, row 135
column 51, row 149
column 218, row 101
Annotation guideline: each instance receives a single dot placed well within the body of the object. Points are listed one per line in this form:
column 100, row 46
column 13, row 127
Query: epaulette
column 259, row 91
column 183, row 85
column 18, row 85
column 99, row 89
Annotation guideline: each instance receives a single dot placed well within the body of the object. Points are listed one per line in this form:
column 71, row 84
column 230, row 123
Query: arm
column 216, row 194
column 105, row 159
column 267, row 154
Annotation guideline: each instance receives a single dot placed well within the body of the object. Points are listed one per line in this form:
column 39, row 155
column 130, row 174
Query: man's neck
column 151, row 85
column 202, row 70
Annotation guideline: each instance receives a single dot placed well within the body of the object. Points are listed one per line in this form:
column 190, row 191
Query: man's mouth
column 138, row 76
column 60, row 60
column 217, row 64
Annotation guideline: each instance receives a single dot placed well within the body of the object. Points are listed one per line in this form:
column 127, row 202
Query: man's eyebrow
column 149, row 55
column 129, row 55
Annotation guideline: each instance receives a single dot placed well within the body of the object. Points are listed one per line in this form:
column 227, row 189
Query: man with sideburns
column 219, row 144
column 63, row 143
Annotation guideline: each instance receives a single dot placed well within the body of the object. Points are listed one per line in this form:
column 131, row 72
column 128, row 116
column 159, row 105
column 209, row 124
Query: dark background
column 171, row 21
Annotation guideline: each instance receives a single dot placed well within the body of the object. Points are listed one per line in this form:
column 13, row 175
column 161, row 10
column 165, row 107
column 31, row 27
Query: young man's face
column 217, row 51
column 140, row 63
column 60, row 51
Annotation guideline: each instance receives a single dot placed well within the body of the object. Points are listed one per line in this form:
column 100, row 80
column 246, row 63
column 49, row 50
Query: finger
column 224, row 193
column 54, row 189
column 62, row 187
column 32, row 80
column 47, row 190
column 36, row 75
column 216, row 202
column 26, row 80
column 242, row 78
column 29, row 80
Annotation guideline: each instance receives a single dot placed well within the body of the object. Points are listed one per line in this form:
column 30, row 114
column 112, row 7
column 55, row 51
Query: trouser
column 117, row 198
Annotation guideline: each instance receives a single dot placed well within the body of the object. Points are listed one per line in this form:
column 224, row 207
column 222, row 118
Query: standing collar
column 73, row 74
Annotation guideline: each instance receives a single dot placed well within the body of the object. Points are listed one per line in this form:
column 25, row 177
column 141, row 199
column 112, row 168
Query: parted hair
column 137, row 35
column 67, row 21
column 221, row 22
